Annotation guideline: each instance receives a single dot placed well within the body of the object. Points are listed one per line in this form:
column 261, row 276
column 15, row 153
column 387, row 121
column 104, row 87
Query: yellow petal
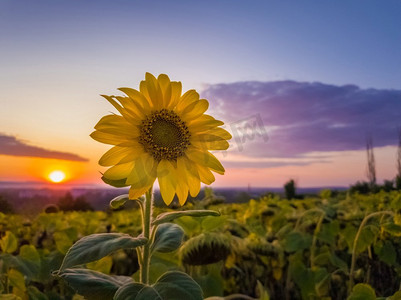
column 137, row 97
column 188, row 98
column 195, row 110
column 204, row 118
column 135, row 113
column 113, row 120
column 220, row 132
column 135, row 193
column 165, row 86
column 119, row 171
column 201, row 125
column 214, row 145
column 182, row 192
column 176, row 90
column 114, row 103
column 190, row 173
column 205, row 137
column 205, row 159
column 129, row 131
column 143, row 172
column 154, row 91
column 107, row 138
column 205, row 175
column 117, row 125
column 166, row 176
column 116, row 154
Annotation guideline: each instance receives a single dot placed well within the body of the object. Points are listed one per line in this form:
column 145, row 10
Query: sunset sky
column 299, row 84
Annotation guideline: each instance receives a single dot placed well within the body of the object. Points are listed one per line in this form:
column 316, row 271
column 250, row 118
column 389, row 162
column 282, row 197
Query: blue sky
column 335, row 42
column 56, row 57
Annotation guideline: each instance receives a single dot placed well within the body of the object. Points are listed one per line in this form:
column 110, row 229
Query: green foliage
column 119, row 201
column 362, row 292
column 170, row 216
column 8, row 243
column 97, row 246
column 269, row 240
column 170, row 286
column 168, row 238
column 94, row 285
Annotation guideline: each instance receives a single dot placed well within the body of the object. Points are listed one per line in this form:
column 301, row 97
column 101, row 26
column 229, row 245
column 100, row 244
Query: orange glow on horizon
column 57, row 176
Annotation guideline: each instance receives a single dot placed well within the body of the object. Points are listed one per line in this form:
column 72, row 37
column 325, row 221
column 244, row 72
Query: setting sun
column 57, row 176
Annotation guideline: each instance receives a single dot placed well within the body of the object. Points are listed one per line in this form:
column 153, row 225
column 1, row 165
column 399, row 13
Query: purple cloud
column 10, row 145
column 303, row 117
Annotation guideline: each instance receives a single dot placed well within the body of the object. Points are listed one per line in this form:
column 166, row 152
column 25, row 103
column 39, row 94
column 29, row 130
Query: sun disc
column 57, row 176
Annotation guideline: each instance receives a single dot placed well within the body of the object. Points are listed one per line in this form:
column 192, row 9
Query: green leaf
column 176, row 285
column 16, row 279
column 119, row 201
column 212, row 222
column 9, row 242
column 9, row 297
column 295, row 241
column 392, row 228
column 263, row 294
column 367, row 237
column 170, row 286
column 116, row 183
column 102, row 265
column 95, row 246
column 362, row 291
column 212, row 283
column 386, row 252
column 63, row 241
column 170, row 216
column 28, row 261
column 396, row 296
column 29, row 253
column 302, row 276
column 168, row 238
column 35, row 294
column 131, row 291
column 190, row 225
column 94, row 285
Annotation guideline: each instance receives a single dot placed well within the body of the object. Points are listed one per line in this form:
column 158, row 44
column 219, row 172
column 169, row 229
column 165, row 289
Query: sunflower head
column 160, row 134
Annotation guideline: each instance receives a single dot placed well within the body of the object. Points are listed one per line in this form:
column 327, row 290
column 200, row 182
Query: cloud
column 292, row 119
column 10, row 145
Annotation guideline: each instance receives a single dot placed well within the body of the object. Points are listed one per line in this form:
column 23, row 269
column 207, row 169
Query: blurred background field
column 299, row 248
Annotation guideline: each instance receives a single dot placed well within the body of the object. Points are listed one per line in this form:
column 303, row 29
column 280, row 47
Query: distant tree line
column 371, row 185
column 69, row 203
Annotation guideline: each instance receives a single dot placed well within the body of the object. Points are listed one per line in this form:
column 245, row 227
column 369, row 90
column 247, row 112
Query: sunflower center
column 164, row 135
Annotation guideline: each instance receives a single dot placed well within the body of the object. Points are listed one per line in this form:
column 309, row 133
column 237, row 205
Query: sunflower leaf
column 168, row 238
column 170, row 286
column 170, row 216
column 119, row 201
column 96, row 246
column 94, row 285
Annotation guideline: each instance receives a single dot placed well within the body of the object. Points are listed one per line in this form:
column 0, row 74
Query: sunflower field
column 342, row 247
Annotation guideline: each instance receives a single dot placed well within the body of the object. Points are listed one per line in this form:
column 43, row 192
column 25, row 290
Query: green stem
column 314, row 240
column 147, row 219
column 354, row 256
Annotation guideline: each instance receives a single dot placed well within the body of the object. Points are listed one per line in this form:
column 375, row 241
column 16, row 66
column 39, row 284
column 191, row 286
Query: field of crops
column 326, row 247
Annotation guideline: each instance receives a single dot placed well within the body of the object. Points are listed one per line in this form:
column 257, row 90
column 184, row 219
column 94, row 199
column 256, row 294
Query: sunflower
column 160, row 133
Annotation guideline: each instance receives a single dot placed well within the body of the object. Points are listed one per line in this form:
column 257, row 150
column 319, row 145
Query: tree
column 66, row 203
column 371, row 169
column 5, row 206
column 398, row 177
column 290, row 189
